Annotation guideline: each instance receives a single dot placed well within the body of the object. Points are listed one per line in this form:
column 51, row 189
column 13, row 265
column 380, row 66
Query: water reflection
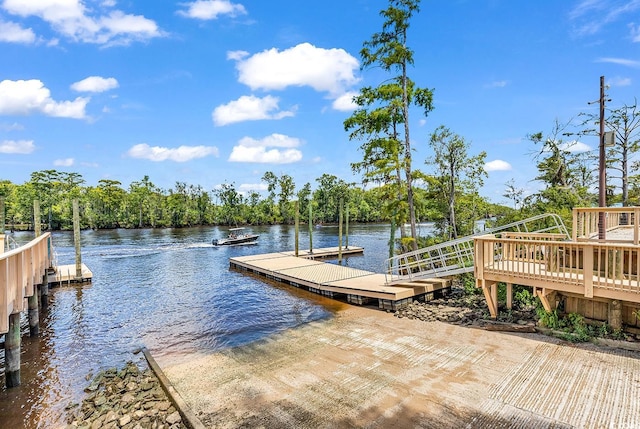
column 168, row 290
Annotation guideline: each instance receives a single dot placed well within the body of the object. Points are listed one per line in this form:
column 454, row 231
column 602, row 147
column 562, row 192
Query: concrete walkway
column 367, row 368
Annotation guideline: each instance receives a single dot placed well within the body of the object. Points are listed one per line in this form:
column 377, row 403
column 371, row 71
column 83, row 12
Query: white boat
column 236, row 236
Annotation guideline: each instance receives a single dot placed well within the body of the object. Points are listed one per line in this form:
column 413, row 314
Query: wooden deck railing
column 21, row 270
column 591, row 269
column 585, row 222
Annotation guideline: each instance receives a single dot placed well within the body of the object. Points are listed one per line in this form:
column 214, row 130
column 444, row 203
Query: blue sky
column 214, row 91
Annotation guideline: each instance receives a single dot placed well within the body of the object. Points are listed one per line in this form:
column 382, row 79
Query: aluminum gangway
column 456, row 256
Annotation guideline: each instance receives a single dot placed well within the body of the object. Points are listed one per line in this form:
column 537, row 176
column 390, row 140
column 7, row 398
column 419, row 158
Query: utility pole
column 602, row 171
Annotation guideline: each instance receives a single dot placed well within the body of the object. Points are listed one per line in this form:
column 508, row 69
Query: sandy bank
column 367, row 368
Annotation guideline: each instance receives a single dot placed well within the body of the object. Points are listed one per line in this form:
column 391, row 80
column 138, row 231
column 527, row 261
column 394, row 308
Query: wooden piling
column 34, row 316
column 2, row 224
column 347, row 225
column 44, row 291
column 297, row 227
column 615, row 315
column 310, row 227
column 37, row 227
column 12, row 352
column 76, row 238
column 340, row 232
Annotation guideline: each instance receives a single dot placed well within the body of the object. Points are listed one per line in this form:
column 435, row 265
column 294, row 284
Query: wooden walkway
column 337, row 281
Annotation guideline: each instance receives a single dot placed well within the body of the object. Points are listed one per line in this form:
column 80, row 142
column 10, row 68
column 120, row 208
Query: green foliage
column 523, row 298
column 572, row 327
column 455, row 183
column 549, row 319
column 468, row 282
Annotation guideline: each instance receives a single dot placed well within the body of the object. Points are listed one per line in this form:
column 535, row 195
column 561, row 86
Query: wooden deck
column 337, row 281
column 66, row 275
column 598, row 278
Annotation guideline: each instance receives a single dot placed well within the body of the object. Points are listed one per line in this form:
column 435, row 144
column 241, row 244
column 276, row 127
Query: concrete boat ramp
column 337, row 281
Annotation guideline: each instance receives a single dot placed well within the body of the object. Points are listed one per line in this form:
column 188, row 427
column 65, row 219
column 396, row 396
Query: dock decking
column 358, row 286
column 66, row 274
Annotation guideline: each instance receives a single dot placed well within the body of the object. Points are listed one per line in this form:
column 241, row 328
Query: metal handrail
column 457, row 256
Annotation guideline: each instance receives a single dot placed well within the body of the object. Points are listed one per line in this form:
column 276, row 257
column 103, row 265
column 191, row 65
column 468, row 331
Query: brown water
column 167, row 290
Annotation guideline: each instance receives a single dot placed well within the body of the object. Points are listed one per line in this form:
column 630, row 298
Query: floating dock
column 337, row 281
column 66, row 274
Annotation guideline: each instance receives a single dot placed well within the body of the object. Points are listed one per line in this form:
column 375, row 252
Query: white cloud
column 345, row 102
column 211, row 9
column 497, row 165
column 66, row 162
column 252, row 150
column 11, row 127
column 246, row 187
column 574, row 147
column 497, row 84
column 325, row 70
column 593, row 15
column 95, row 24
column 249, row 108
column 619, row 81
column 237, row 55
column 635, row 32
column 620, row 61
column 95, row 84
column 180, row 154
column 23, row 97
column 22, row 147
column 14, row 33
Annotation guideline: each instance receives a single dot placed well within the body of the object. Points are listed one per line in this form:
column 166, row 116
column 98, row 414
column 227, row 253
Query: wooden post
column 12, row 352
column 37, row 228
column 34, row 317
column 2, row 224
column 587, row 270
column 76, row 238
column 347, row 226
column 340, row 231
column 574, row 232
column 44, row 290
column 297, row 227
column 615, row 315
column 636, row 224
column 509, row 296
column 310, row 227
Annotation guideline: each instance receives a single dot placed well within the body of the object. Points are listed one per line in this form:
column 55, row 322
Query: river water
column 168, row 290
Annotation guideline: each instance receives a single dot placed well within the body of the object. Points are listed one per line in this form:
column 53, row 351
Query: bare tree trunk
column 407, row 155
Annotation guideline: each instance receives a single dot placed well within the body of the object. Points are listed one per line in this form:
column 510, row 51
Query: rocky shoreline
column 127, row 398
column 467, row 310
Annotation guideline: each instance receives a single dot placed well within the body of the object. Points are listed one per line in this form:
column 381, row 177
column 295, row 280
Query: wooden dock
column 66, row 275
column 337, row 281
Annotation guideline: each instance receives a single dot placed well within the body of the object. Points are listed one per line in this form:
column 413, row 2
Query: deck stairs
column 456, row 256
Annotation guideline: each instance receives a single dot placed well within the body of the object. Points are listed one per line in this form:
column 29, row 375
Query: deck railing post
column 636, row 223
column 587, row 270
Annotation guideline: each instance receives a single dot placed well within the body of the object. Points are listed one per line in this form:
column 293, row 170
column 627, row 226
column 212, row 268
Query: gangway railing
column 456, row 256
